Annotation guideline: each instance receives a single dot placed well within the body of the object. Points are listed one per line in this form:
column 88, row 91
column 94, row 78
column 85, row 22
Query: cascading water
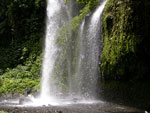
column 70, row 72
column 57, row 16
column 88, row 55
column 50, row 47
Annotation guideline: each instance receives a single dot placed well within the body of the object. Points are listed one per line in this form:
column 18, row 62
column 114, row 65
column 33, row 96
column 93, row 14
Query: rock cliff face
column 126, row 51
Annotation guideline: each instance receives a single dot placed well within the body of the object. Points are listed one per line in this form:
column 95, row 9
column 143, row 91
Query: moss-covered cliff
column 126, row 50
column 126, row 53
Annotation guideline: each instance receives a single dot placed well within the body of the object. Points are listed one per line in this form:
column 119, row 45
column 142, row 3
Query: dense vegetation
column 21, row 32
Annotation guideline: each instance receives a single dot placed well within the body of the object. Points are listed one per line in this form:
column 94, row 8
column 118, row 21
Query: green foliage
column 124, row 54
column 22, row 25
column 21, row 22
column 22, row 77
column 25, row 75
column 18, row 85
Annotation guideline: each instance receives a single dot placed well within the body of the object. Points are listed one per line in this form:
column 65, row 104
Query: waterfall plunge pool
column 65, row 106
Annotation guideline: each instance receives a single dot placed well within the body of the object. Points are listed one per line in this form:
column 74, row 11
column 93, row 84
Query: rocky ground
column 99, row 107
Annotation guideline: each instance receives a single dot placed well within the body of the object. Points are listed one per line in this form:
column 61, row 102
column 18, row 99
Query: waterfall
column 57, row 16
column 70, row 72
column 50, row 47
column 88, row 55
